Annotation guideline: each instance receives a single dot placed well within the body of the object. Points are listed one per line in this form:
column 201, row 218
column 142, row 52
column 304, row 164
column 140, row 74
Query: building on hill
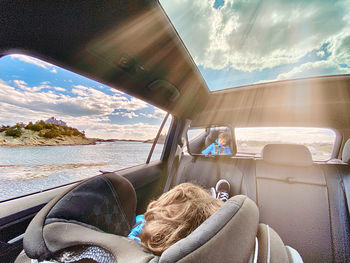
column 53, row 120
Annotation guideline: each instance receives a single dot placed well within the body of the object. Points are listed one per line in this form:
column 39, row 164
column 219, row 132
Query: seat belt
column 174, row 161
column 173, row 170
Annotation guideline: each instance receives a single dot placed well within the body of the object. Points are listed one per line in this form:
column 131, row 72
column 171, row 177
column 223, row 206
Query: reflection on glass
column 210, row 141
column 220, row 146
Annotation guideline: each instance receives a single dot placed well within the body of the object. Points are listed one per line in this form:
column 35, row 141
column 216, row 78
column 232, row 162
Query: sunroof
column 241, row 42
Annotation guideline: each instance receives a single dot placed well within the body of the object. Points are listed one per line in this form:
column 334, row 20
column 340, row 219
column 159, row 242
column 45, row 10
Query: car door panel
column 16, row 214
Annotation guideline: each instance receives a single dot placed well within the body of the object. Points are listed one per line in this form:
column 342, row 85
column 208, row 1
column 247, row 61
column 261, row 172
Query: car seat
column 345, row 157
column 90, row 222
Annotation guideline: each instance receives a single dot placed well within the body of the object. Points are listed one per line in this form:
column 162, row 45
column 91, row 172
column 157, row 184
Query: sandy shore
column 30, row 138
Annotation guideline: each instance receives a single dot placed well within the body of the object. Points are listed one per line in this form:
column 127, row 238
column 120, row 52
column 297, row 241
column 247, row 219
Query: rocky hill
column 42, row 134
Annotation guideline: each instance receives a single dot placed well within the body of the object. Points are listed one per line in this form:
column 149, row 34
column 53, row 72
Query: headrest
column 346, row 152
column 235, row 223
column 103, row 204
column 287, row 154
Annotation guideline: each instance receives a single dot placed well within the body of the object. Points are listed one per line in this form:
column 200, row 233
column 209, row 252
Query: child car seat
column 90, row 222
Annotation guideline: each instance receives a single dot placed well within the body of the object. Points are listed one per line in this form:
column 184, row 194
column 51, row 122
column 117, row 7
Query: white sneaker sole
column 222, row 181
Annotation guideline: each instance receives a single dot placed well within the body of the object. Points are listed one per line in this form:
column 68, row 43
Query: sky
column 241, row 42
column 233, row 42
column 31, row 90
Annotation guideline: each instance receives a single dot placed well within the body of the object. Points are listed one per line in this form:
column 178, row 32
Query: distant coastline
column 119, row 140
column 52, row 132
column 32, row 139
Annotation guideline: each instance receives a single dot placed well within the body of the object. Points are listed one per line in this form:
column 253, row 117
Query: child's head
column 176, row 214
column 224, row 138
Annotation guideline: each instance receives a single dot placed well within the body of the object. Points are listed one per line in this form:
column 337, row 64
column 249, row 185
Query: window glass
column 320, row 141
column 236, row 43
column 194, row 133
column 58, row 127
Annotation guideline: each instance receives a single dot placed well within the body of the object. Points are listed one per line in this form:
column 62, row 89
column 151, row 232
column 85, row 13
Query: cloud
column 43, row 85
column 35, row 62
column 94, row 126
column 117, row 91
column 157, row 114
column 81, row 87
column 22, row 103
column 320, row 53
column 317, row 68
column 59, row 89
column 130, row 115
column 141, row 131
column 11, row 114
column 254, row 35
column 133, row 104
column 339, row 48
column 80, row 92
column 160, row 114
column 21, row 84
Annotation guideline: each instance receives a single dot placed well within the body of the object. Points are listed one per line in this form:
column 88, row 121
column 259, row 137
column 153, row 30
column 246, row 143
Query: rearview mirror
column 210, row 141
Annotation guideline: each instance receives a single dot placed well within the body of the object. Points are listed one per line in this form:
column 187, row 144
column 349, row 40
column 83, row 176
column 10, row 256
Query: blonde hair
column 176, row 214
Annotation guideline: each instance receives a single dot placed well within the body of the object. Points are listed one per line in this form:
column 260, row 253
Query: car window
column 192, row 134
column 58, row 127
column 320, row 141
column 236, row 43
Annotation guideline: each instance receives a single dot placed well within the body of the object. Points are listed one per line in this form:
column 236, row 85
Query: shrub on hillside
column 14, row 132
column 49, row 126
column 48, row 130
column 29, row 126
column 76, row 132
column 67, row 132
column 4, row 128
column 19, row 125
column 50, row 134
column 36, row 127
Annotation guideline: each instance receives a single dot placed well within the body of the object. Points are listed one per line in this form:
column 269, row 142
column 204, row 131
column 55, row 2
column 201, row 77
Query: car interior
column 285, row 207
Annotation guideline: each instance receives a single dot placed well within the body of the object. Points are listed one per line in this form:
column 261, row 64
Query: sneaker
column 222, row 190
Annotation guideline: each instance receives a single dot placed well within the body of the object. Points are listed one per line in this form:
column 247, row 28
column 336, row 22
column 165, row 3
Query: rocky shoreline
column 31, row 138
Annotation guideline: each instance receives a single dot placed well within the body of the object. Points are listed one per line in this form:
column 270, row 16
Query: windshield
column 241, row 42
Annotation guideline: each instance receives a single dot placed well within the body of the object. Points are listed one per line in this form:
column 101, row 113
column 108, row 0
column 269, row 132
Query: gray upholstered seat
column 96, row 214
column 271, row 248
column 292, row 196
column 92, row 220
column 345, row 156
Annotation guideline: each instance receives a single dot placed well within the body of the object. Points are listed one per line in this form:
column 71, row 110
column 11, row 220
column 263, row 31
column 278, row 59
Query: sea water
column 30, row 169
